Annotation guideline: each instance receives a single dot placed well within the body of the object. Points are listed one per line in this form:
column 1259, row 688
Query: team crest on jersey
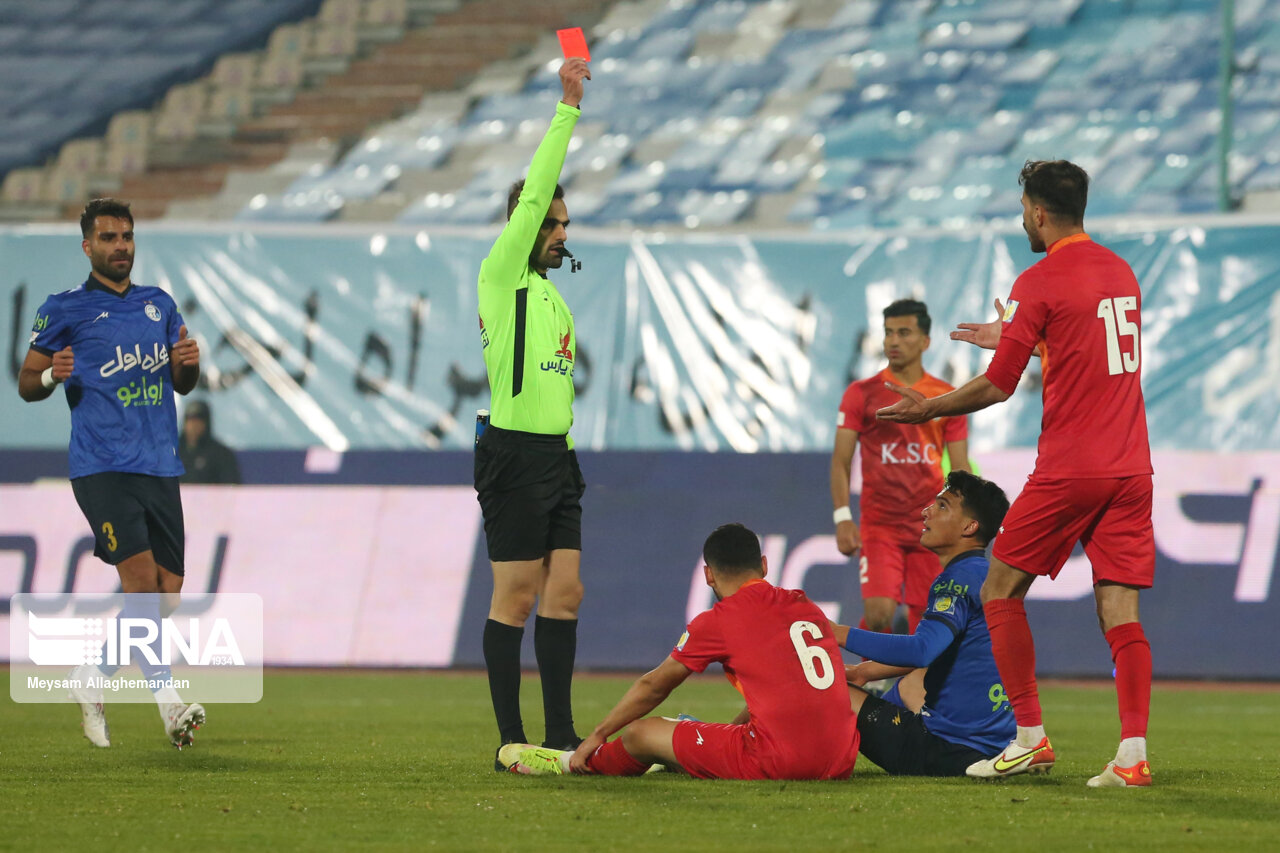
column 152, row 312
column 684, row 638
column 1010, row 310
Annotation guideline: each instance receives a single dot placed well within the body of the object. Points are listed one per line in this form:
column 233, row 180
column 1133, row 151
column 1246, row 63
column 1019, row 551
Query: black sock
column 555, row 643
column 502, row 659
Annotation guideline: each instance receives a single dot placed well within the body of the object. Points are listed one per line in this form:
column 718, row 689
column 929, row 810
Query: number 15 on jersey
column 1112, row 313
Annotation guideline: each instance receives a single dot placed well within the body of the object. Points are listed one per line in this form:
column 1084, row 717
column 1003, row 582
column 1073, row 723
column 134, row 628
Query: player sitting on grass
column 776, row 648
column 964, row 716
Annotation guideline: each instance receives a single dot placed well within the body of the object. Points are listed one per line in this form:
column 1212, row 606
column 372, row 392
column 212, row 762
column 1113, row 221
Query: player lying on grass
column 776, row 648
column 963, row 715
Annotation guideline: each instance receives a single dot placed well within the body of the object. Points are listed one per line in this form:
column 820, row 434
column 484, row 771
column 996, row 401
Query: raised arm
column 509, row 256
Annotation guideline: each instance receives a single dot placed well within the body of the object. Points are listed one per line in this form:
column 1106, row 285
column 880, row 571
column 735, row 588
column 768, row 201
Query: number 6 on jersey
column 809, row 655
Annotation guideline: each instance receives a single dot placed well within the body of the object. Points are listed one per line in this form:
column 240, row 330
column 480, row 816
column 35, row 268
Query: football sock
column 555, row 643
column 612, row 759
column 1131, row 751
column 1015, row 655
column 143, row 606
column 1132, row 656
column 105, row 668
column 502, row 659
column 1029, row 737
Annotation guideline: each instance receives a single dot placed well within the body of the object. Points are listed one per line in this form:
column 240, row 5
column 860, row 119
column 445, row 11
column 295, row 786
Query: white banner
column 347, row 575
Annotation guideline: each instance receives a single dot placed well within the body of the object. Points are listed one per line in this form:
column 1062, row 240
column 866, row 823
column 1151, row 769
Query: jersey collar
column 1067, row 241
column 92, row 283
column 964, row 555
column 887, row 376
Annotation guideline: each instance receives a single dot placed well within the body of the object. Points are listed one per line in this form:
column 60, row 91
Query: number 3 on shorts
column 809, row 655
column 111, row 535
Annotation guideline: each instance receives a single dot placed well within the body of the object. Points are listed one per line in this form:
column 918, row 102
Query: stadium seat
column 23, row 185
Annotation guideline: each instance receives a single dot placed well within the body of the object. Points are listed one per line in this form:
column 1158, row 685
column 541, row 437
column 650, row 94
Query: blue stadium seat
column 54, row 52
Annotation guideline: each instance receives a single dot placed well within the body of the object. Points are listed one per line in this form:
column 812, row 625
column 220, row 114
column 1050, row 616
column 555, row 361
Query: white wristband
column 47, row 380
column 842, row 514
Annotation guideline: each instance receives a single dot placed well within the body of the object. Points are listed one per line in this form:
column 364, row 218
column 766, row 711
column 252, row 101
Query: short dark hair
column 103, row 207
column 1059, row 186
column 513, row 195
column 984, row 502
column 910, row 308
column 732, row 549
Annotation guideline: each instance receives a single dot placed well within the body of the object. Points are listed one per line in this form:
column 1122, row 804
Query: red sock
column 1015, row 654
column 612, row 759
column 1132, row 655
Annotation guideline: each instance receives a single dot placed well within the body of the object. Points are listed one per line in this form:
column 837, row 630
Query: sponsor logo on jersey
column 1010, row 310
column 564, row 351
column 840, row 419
column 142, row 392
column 950, row 587
column 912, row 453
column 563, row 362
column 152, row 312
column 41, row 323
column 126, row 361
column 943, row 604
column 684, row 638
column 484, row 334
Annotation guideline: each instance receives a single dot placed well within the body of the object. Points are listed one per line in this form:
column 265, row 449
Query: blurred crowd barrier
column 364, row 339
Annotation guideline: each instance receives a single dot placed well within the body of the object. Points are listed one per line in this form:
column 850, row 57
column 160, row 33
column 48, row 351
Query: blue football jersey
column 120, row 392
column 965, row 700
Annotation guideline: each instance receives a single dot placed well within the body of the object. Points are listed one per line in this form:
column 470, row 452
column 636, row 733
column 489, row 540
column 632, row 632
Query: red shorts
column 725, row 751
column 1110, row 517
column 893, row 565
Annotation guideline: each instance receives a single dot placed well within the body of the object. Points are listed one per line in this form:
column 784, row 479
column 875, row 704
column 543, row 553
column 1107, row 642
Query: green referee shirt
column 525, row 327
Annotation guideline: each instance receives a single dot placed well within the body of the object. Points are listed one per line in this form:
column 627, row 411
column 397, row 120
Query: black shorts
column 530, row 492
column 897, row 741
column 132, row 513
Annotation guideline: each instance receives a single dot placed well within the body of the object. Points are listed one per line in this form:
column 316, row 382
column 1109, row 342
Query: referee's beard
column 546, row 258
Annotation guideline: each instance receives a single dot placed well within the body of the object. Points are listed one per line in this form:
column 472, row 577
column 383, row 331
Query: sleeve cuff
column 998, row 379
column 564, row 109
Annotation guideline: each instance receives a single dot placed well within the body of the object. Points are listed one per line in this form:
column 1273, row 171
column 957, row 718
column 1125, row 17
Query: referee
column 526, row 473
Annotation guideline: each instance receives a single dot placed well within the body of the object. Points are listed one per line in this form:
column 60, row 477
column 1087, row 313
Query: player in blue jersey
column 120, row 350
column 965, row 715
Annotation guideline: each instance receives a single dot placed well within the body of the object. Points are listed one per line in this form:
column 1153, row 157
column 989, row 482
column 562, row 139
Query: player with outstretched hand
column 776, row 648
column 901, row 472
column 527, row 477
column 1081, row 305
column 121, row 350
column 963, row 716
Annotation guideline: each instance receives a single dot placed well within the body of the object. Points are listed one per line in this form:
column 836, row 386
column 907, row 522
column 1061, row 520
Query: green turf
column 402, row 761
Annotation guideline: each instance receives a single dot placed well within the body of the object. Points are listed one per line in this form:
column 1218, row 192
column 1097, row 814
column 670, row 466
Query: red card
column 573, row 43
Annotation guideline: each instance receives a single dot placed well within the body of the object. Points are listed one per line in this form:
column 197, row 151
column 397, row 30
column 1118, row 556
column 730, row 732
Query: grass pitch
column 350, row 760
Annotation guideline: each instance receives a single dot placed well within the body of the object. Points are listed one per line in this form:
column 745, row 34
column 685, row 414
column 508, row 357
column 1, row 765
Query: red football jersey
column 901, row 463
column 1083, row 304
column 776, row 648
